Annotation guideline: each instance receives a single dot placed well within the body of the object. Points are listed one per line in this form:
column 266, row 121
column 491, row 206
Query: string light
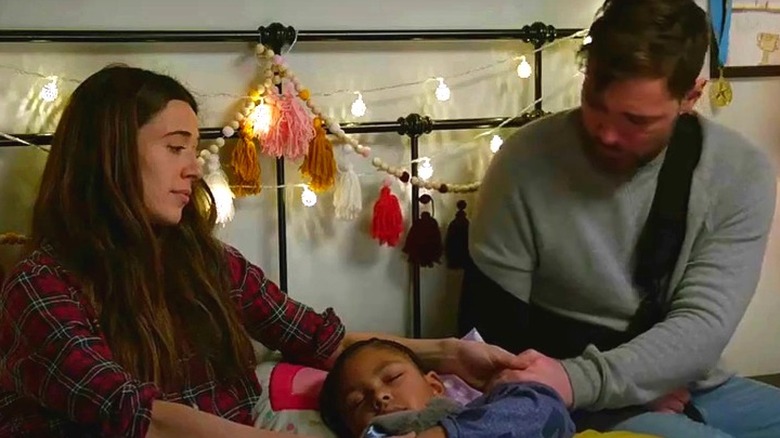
column 264, row 117
column 425, row 170
column 524, row 68
column 495, row 143
column 398, row 171
column 49, row 92
column 442, row 91
column 308, row 197
column 358, row 106
column 401, row 173
column 587, row 40
column 478, row 69
column 261, row 117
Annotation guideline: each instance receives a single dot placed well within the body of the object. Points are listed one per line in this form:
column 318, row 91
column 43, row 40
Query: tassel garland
column 347, row 197
column 387, row 224
column 319, row 166
column 423, row 243
column 457, row 240
column 291, row 131
column 245, row 164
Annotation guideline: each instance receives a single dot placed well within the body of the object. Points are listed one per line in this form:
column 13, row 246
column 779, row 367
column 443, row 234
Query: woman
column 127, row 316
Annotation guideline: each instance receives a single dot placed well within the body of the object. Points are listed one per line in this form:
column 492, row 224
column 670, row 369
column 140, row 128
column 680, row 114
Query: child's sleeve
column 515, row 410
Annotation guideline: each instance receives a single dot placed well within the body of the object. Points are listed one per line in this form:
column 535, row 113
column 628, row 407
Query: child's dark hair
column 329, row 396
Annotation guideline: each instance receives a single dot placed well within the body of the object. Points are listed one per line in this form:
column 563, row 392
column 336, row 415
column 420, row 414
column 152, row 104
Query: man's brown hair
column 648, row 39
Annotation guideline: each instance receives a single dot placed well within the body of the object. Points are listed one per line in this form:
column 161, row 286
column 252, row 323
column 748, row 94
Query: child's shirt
column 512, row 410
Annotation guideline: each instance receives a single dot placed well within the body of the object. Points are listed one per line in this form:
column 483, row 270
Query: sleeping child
column 378, row 388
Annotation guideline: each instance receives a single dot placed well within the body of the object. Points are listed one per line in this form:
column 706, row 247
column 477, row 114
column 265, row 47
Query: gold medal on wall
column 720, row 91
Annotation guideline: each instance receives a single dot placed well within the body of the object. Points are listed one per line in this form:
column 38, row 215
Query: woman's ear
column 435, row 382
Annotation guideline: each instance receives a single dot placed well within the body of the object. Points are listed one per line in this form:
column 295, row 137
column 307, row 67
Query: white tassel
column 347, row 197
column 217, row 181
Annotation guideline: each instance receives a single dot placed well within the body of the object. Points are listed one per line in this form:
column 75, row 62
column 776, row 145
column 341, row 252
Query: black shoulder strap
column 661, row 240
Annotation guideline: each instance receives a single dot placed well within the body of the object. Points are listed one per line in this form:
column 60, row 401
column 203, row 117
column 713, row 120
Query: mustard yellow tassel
column 319, row 165
column 245, row 164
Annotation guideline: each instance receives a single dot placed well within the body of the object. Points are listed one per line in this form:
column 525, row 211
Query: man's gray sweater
column 551, row 229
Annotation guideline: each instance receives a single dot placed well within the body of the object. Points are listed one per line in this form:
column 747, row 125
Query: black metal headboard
column 278, row 36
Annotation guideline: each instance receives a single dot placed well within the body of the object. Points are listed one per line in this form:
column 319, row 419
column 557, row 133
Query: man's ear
column 435, row 382
column 690, row 99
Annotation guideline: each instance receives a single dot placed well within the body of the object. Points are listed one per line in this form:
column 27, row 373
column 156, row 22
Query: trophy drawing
column 767, row 43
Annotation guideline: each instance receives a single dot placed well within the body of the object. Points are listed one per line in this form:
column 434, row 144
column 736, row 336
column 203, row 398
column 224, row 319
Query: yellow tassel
column 246, row 167
column 319, row 166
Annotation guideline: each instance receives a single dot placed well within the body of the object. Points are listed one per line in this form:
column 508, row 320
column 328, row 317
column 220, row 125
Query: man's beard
column 619, row 162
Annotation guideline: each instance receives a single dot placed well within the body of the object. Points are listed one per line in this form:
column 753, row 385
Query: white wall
column 334, row 263
column 754, row 348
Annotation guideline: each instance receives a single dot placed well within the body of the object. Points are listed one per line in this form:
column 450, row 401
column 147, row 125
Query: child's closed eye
column 354, row 402
column 394, row 378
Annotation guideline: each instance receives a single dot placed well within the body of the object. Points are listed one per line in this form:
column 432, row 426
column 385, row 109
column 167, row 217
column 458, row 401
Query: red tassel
column 423, row 243
column 457, row 241
column 388, row 222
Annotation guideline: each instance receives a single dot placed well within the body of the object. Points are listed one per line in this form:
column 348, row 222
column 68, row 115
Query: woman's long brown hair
column 162, row 293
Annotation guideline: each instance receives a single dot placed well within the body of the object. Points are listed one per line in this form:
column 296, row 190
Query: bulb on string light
column 261, row 117
column 495, row 143
column 49, row 92
column 524, row 68
column 308, row 197
column 442, row 91
column 425, row 170
column 358, row 106
column 587, row 40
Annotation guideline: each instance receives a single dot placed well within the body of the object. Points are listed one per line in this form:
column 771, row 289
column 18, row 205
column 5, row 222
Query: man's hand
column 477, row 362
column 532, row 366
column 672, row 403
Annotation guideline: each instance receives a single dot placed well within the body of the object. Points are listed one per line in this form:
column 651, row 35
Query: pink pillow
column 295, row 387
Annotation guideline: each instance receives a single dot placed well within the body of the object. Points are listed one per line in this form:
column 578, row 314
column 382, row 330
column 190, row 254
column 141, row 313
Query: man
column 622, row 314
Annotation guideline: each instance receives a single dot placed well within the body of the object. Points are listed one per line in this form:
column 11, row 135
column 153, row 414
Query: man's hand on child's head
column 532, row 366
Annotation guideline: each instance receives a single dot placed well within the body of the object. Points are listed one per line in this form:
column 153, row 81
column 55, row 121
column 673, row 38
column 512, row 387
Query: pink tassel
column 291, row 133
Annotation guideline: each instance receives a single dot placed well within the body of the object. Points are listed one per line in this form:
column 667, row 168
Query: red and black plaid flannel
column 57, row 376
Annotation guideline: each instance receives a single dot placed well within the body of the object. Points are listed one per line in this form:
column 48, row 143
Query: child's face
column 380, row 381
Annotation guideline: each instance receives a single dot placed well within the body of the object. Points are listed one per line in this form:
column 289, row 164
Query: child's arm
column 515, row 410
